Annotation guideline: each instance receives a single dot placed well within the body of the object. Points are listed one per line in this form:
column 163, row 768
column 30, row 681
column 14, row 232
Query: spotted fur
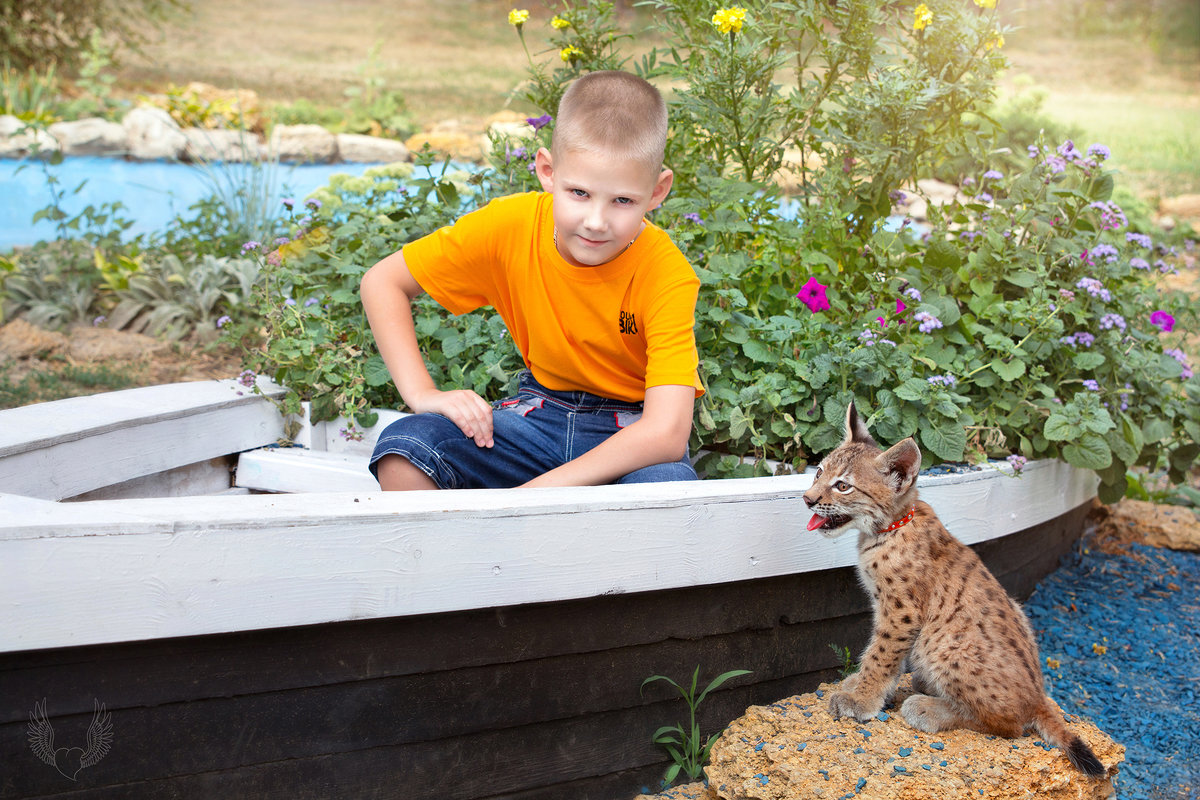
column 936, row 606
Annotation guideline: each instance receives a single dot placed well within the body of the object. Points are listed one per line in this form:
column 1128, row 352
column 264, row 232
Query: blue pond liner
column 1124, row 632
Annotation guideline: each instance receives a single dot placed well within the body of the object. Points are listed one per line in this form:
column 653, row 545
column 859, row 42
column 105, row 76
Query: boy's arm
column 387, row 290
column 660, row 436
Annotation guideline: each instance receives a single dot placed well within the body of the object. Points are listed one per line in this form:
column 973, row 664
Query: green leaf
column 1089, row 451
column 375, row 371
column 942, row 255
column 947, row 440
column 1008, row 371
column 1059, row 429
column 758, row 351
column 1086, row 361
column 1021, row 278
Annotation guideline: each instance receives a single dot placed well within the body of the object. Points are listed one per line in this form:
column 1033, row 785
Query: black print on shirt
column 628, row 323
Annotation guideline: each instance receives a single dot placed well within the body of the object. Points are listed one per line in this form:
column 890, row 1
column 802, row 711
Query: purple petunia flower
column 539, row 122
column 1163, row 321
column 812, row 294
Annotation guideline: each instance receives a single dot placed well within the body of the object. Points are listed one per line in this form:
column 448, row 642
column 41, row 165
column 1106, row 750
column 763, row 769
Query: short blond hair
column 615, row 113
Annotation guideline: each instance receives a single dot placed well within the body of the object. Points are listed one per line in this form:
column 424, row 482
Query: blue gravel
column 1120, row 642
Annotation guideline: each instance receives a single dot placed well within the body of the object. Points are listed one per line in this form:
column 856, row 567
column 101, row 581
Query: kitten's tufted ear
column 856, row 429
column 901, row 463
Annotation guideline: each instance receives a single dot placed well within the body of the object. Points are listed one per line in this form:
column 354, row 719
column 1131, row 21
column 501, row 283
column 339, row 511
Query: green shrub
column 38, row 33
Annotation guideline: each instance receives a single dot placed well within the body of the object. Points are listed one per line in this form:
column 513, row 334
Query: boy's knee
column 397, row 474
column 662, row 473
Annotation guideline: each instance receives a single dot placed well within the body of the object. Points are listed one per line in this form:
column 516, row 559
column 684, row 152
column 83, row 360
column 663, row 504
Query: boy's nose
column 595, row 218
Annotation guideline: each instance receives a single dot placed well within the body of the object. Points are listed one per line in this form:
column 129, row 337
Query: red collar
column 900, row 523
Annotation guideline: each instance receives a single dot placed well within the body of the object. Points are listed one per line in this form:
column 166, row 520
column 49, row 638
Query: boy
column 599, row 302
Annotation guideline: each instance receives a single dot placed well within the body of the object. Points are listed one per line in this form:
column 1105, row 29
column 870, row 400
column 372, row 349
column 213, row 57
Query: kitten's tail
column 1049, row 723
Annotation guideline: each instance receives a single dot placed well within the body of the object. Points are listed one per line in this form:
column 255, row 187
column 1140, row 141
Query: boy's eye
column 622, row 201
column 579, row 192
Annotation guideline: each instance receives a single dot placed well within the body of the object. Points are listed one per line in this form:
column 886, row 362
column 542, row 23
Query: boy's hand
column 470, row 412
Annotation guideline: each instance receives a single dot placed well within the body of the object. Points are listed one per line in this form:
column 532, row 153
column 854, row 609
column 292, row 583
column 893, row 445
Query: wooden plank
column 294, row 469
column 211, row 477
column 160, row 568
column 479, row 765
column 68, row 447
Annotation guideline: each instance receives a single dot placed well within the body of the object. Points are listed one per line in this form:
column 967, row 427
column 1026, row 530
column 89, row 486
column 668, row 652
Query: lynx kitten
column 971, row 650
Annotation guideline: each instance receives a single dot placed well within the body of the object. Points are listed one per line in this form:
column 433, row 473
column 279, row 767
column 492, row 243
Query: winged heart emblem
column 70, row 760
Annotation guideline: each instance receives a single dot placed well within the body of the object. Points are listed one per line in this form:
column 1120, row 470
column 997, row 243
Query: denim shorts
column 533, row 432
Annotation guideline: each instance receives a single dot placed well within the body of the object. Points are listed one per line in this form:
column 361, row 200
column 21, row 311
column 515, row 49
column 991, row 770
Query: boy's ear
column 662, row 187
column 544, row 166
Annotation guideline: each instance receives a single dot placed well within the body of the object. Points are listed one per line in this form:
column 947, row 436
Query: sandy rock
column 451, row 138
column 92, row 136
column 914, row 202
column 688, row 791
column 14, row 143
column 361, row 149
column 103, row 344
column 222, row 145
column 508, row 126
column 152, row 134
column 795, row 162
column 305, row 143
column 1185, row 206
column 795, row 749
column 19, row 339
column 1173, row 527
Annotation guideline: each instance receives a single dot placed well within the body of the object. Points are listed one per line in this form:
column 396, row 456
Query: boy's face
column 599, row 202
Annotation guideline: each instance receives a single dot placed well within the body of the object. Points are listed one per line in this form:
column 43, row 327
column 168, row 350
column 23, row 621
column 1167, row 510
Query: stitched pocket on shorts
column 521, row 405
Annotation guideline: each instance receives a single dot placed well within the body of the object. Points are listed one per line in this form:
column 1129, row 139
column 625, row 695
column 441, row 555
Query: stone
column 508, row 126
column 220, row 144
column 915, row 202
column 19, row 339
column 16, row 142
column 452, row 139
column 91, row 136
column 304, row 143
column 795, row 749
column 1185, row 206
column 1173, row 527
column 151, row 134
column 360, row 149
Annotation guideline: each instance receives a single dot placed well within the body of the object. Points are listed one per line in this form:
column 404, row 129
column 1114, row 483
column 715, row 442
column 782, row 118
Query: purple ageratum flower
column 1017, row 462
column 1091, row 385
column 1110, row 321
column 1111, row 215
column 812, row 294
column 1099, row 151
column 313, row 203
column 928, row 321
column 281, row 241
column 1066, row 294
column 247, row 377
column 984, row 197
column 914, row 293
column 1033, row 151
column 1182, row 358
column 1163, row 321
column 289, row 302
column 251, row 245
column 98, row 321
column 897, row 196
column 223, row 321
column 942, row 380
column 993, row 175
column 1095, row 288
column 1067, row 150
column 1105, row 251
column 694, row 217
column 1139, row 263
column 1140, row 239
column 289, row 202
column 312, row 301
column 539, row 122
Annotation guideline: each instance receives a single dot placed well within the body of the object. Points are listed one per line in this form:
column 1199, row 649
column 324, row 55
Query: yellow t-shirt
column 612, row 330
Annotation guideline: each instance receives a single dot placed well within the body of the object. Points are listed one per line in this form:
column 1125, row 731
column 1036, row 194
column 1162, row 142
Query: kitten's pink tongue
column 816, row 522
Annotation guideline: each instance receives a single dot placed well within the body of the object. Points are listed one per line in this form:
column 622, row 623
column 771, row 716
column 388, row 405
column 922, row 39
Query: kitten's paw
column 844, row 704
column 929, row 714
column 849, row 684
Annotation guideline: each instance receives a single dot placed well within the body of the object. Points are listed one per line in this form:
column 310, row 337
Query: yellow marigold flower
column 518, row 17
column 986, row 3
column 729, row 20
column 560, row 23
column 995, row 43
column 570, row 54
column 922, row 16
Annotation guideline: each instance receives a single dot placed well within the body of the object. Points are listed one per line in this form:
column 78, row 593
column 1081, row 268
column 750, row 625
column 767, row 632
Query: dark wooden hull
column 535, row 702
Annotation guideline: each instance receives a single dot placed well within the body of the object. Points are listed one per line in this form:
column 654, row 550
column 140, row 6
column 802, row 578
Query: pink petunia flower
column 812, row 294
column 1163, row 321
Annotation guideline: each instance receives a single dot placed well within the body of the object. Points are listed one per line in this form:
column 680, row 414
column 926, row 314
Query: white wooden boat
column 263, row 621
